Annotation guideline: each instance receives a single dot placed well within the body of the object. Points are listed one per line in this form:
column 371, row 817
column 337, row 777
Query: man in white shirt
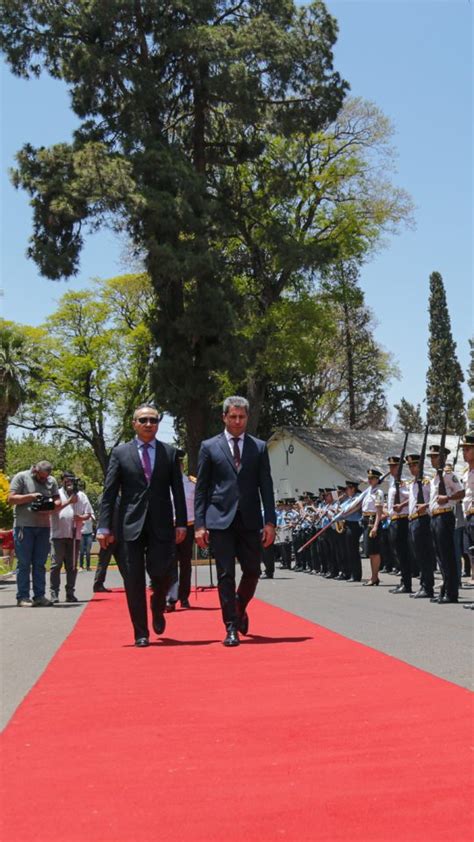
column 467, row 445
column 442, row 503
column 66, row 527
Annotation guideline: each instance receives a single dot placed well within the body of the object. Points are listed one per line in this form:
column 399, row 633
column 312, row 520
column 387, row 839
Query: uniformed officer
column 353, row 531
column 372, row 511
column 419, row 528
column 467, row 445
column 398, row 530
column 442, row 502
column 180, row 584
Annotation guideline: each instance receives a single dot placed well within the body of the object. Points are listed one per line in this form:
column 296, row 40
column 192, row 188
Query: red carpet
column 299, row 734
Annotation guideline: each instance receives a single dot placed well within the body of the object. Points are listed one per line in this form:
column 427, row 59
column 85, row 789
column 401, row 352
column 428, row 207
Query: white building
column 306, row 459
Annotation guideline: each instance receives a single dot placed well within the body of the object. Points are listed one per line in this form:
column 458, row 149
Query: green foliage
column 6, row 511
column 64, row 455
column 444, row 376
column 19, row 374
column 94, row 355
column 409, row 417
column 470, row 383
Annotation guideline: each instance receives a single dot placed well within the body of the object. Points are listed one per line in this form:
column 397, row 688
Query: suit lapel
column 135, row 456
column 226, row 451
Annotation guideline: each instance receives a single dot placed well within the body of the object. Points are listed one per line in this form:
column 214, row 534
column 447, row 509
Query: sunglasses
column 148, row 419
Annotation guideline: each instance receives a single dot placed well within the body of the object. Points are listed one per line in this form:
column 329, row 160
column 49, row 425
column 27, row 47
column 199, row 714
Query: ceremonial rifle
column 442, row 458
column 455, row 460
column 420, row 500
column 341, row 515
column 398, row 477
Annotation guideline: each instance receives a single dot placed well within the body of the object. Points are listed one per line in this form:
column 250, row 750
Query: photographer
column 34, row 495
column 66, row 526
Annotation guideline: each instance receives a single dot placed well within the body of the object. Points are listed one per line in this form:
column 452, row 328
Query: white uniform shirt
column 452, row 487
column 413, row 495
column 62, row 521
column 468, row 483
column 404, row 494
column 372, row 500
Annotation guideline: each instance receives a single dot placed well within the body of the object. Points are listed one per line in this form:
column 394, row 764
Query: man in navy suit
column 233, row 484
column 144, row 471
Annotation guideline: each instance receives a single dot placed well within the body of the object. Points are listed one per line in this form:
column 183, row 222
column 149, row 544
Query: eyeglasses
column 148, row 419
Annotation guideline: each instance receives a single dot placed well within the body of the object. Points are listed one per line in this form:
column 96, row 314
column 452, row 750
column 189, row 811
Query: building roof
column 352, row 452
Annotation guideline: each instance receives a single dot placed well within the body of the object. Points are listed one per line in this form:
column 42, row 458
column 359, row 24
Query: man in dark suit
column 233, row 483
column 144, row 471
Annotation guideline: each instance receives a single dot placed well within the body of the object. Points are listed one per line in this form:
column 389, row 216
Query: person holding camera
column 66, row 526
column 34, row 495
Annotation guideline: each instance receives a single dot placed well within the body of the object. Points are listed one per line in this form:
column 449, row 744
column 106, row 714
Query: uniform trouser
column 180, row 586
column 315, row 548
column 65, row 552
column 157, row 557
column 342, row 555
column 331, row 538
column 386, row 555
column 105, row 555
column 352, row 536
column 470, row 541
column 443, row 533
column 269, row 560
column 285, row 554
column 227, row 545
column 422, row 543
column 398, row 534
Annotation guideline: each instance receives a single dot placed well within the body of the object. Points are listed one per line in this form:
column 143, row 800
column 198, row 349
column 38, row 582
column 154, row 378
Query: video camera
column 43, row 504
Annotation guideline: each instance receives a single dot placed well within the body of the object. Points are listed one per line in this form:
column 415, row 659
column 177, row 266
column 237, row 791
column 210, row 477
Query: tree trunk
column 196, row 423
column 3, row 442
column 350, row 367
column 256, row 395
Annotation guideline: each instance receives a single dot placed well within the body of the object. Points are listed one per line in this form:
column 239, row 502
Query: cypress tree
column 444, row 376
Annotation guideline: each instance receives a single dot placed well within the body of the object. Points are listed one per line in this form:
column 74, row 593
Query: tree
column 169, row 95
column 444, row 376
column 18, row 376
column 470, row 383
column 409, row 417
column 95, row 361
column 308, row 201
column 358, row 399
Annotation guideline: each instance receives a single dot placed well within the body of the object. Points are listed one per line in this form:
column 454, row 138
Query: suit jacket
column 222, row 489
column 125, row 476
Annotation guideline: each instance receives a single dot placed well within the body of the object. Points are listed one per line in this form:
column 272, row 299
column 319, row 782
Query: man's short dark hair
column 147, row 406
column 43, row 465
column 235, row 400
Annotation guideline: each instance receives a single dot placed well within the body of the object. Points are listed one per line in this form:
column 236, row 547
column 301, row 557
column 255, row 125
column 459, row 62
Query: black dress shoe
column 185, row 603
column 446, row 600
column 399, row 589
column 266, row 575
column 170, row 607
column 231, row 638
column 422, row 594
column 159, row 623
column 141, row 642
column 101, row 589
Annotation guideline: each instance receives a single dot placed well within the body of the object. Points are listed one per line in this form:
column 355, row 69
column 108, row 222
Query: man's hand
column 268, row 535
column 397, row 507
column 373, row 532
column 422, row 508
column 181, row 532
column 105, row 539
column 201, row 537
column 443, row 499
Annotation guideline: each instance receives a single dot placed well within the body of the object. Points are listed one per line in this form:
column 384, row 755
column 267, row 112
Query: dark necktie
column 236, row 451
column 146, row 462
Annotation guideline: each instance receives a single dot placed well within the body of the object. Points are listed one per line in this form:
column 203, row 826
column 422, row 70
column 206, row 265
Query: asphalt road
column 434, row 638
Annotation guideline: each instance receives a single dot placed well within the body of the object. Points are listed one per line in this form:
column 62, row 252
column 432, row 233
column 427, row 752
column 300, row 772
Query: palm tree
column 15, row 377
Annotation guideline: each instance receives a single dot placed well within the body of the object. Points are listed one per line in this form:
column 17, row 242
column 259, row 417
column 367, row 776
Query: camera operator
column 34, row 495
column 66, row 527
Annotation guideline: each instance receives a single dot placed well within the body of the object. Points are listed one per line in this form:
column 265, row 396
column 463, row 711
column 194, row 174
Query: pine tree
column 444, row 376
column 409, row 417
column 470, row 383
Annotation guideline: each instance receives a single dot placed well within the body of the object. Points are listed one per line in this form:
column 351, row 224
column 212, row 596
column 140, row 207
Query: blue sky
column 414, row 60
